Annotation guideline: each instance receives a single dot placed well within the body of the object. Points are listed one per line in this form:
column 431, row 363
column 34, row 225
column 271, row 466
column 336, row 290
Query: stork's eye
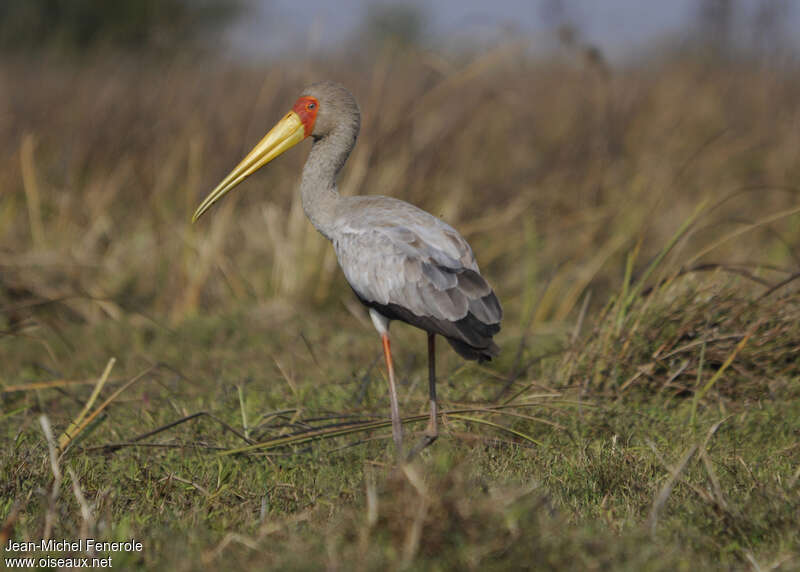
column 311, row 106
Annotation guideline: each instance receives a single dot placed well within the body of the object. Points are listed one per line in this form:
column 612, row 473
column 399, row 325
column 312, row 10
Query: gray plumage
column 400, row 260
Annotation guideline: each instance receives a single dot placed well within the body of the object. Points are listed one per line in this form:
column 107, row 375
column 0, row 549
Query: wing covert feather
column 412, row 266
column 395, row 266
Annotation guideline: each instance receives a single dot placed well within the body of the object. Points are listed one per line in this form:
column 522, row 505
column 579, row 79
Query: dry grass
column 700, row 327
column 553, row 173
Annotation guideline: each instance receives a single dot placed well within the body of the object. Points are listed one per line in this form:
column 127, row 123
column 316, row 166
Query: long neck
column 318, row 186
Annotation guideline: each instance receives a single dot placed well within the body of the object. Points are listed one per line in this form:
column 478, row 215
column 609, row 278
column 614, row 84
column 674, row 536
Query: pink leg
column 397, row 429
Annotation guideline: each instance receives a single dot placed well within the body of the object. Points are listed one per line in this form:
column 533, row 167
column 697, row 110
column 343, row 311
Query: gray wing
column 411, row 266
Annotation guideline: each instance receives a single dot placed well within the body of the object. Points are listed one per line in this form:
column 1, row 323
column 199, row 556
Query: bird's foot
column 427, row 439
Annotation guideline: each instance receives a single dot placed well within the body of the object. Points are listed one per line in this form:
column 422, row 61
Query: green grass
column 602, row 487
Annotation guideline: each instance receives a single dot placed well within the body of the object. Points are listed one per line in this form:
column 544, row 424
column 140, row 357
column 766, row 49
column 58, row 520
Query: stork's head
column 336, row 108
column 323, row 109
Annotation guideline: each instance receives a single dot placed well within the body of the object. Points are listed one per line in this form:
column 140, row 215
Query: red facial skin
column 306, row 107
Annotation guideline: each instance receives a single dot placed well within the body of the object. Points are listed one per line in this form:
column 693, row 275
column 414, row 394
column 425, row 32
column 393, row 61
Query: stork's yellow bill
column 288, row 132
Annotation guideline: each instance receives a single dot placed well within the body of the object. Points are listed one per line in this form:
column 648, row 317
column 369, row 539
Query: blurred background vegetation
column 554, row 161
column 80, row 27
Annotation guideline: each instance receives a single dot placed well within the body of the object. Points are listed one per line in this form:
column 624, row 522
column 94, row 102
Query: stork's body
column 402, row 262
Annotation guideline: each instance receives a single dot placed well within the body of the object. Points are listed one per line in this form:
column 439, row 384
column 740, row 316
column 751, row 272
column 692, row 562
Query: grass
column 214, row 392
column 589, row 493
